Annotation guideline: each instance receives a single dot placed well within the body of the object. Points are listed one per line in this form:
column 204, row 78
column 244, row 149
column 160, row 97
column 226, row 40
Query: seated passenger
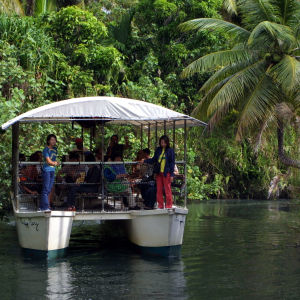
column 92, row 181
column 72, row 172
column 39, row 167
column 120, row 183
column 30, row 178
column 31, row 170
column 98, row 153
column 115, row 148
column 79, row 146
column 137, row 168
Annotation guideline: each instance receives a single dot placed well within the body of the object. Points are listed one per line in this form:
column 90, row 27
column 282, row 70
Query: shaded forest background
column 130, row 49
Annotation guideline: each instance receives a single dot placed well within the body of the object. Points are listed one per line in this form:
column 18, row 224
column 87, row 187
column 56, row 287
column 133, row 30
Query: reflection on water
column 231, row 250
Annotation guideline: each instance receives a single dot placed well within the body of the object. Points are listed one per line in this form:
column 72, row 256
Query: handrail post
column 15, row 161
column 141, row 136
column 185, row 162
column 102, row 165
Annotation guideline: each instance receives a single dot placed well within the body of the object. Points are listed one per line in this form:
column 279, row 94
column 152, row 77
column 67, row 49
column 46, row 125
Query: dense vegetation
column 135, row 49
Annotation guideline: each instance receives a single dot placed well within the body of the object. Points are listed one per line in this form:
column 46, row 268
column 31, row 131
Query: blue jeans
column 48, row 181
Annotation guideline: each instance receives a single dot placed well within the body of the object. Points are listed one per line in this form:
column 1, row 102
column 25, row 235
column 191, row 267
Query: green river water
column 231, row 250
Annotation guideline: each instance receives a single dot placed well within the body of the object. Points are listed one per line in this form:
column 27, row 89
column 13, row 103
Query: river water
column 231, row 250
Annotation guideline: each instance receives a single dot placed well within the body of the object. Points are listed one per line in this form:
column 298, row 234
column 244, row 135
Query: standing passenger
column 166, row 156
column 49, row 156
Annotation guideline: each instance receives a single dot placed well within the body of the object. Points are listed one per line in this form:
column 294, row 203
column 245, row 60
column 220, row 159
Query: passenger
column 120, row 172
column 22, row 167
column 166, row 157
column 146, row 169
column 39, row 167
column 31, row 170
column 49, row 155
column 93, row 177
column 137, row 168
column 115, row 148
column 98, row 153
column 72, row 172
column 79, row 146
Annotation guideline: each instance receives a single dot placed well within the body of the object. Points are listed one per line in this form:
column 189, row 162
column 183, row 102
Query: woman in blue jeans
column 48, row 169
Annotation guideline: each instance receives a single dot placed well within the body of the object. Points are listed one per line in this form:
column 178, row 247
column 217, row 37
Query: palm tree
column 259, row 75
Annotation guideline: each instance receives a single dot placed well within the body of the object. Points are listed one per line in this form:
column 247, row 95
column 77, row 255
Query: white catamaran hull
column 44, row 235
column 155, row 232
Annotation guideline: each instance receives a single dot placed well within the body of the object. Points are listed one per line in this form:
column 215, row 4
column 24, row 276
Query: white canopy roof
column 110, row 109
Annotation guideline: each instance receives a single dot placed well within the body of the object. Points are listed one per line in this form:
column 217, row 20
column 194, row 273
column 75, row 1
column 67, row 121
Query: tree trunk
column 285, row 160
column 30, row 7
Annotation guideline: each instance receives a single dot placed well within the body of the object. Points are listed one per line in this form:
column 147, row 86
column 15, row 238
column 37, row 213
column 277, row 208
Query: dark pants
column 48, row 181
column 80, row 189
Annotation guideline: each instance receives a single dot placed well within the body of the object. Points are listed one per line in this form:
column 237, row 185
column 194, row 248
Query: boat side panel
column 148, row 230
column 177, row 229
column 59, row 232
column 33, row 232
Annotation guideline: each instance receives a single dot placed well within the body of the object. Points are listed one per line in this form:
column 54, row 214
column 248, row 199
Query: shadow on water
column 231, row 250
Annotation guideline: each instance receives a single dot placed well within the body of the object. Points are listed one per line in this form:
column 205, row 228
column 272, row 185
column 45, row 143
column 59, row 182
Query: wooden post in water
column 185, row 168
column 15, row 161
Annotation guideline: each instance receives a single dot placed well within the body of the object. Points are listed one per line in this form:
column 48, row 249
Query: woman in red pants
column 166, row 156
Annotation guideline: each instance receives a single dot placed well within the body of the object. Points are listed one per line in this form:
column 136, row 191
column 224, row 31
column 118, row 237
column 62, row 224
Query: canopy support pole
column 174, row 135
column 165, row 123
column 149, row 135
column 102, row 166
column 15, row 161
column 155, row 135
column 141, row 137
column 91, row 137
column 185, row 162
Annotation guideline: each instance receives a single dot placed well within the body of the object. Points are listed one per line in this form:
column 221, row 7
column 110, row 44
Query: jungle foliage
column 130, row 49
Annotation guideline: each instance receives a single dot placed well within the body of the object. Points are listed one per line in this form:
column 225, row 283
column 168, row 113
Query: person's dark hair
column 115, row 156
column 115, row 136
column 106, row 157
column 74, row 155
column 97, row 150
column 22, row 155
column 147, row 150
column 166, row 139
column 38, row 152
column 34, row 157
column 49, row 138
column 90, row 157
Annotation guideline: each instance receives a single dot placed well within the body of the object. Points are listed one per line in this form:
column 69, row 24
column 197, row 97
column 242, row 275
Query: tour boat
column 47, row 234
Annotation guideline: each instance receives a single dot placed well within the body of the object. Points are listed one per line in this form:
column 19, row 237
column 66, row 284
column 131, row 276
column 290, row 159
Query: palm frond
column 121, row 31
column 271, row 35
column 259, row 104
column 257, row 11
column 238, row 86
column 222, row 58
column 239, row 33
column 289, row 10
column 200, row 111
column 224, row 73
column 286, row 73
column 230, row 6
